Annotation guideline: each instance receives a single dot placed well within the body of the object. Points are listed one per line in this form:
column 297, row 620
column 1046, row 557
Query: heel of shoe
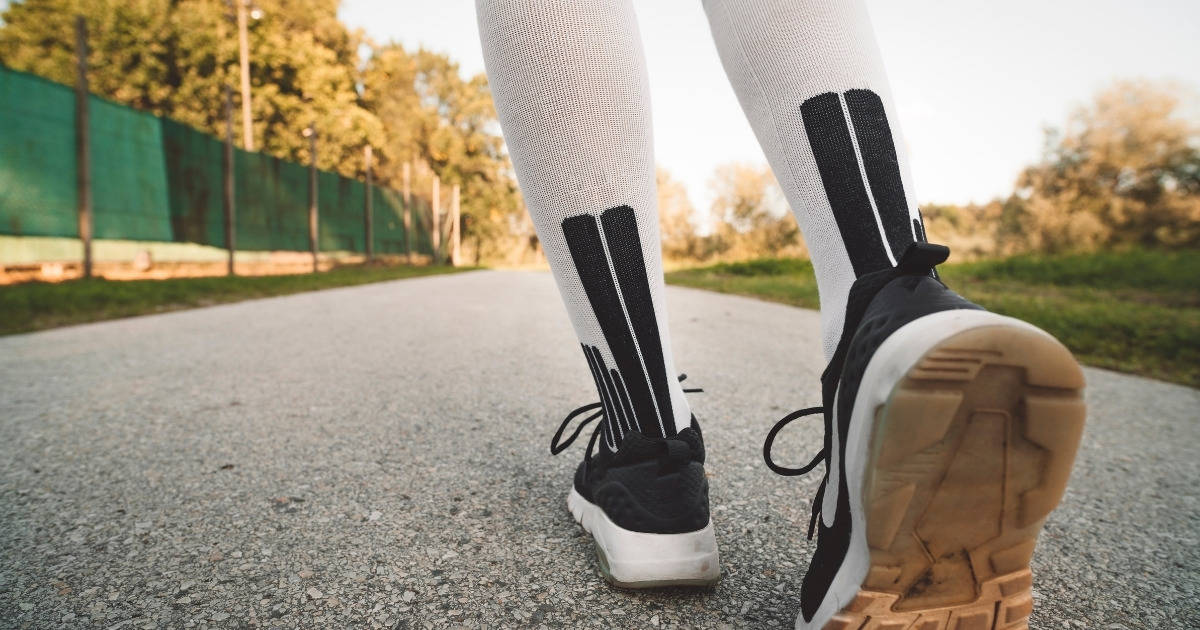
column 631, row 559
column 1004, row 603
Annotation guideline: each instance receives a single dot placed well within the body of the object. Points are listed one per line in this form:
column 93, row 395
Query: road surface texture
column 377, row 456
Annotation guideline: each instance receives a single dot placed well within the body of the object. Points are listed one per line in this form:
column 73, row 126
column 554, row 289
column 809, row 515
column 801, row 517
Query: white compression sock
column 569, row 82
column 810, row 79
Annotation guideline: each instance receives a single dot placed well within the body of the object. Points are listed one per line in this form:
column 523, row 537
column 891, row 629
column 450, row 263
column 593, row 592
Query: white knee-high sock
column 569, row 82
column 810, row 79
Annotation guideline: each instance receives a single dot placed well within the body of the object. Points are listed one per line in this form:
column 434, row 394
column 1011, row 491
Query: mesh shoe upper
column 650, row 484
column 879, row 304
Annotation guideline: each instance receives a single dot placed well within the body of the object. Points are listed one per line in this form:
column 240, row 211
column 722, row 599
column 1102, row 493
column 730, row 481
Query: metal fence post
column 312, row 194
column 227, row 177
column 436, row 231
column 83, row 151
column 408, row 240
column 368, row 232
column 455, row 227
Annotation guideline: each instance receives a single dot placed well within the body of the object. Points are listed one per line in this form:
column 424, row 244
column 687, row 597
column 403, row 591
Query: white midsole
column 637, row 557
column 891, row 361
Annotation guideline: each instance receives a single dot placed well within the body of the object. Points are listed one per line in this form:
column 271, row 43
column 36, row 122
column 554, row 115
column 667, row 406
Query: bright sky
column 975, row 81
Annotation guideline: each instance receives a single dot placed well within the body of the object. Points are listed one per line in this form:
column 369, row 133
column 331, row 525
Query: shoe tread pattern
column 968, row 456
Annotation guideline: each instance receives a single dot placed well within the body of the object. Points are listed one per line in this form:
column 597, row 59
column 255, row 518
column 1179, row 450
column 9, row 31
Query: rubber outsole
column 641, row 560
column 970, row 453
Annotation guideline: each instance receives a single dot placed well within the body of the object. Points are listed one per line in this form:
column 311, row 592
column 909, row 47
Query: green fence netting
column 194, row 184
column 129, row 175
column 37, row 157
column 155, row 179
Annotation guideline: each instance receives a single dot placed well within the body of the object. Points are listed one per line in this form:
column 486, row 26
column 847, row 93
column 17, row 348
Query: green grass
column 39, row 305
column 1136, row 312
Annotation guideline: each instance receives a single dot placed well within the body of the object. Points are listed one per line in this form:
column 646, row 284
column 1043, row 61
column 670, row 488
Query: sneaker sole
column 632, row 559
column 968, row 456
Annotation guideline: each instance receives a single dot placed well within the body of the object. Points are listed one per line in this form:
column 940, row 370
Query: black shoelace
column 822, row 456
column 556, row 447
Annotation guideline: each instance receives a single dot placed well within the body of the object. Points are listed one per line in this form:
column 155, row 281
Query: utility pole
column 227, row 176
column 408, row 240
column 244, row 61
column 83, row 152
column 455, row 227
column 311, row 132
column 367, row 231
column 436, row 231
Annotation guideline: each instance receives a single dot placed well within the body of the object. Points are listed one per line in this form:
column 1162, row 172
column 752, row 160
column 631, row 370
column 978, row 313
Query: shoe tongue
column 921, row 258
column 695, row 443
column 917, row 260
column 678, row 451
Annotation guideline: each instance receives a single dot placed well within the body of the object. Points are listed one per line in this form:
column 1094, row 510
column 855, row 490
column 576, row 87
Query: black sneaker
column 949, row 436
column 645, row 505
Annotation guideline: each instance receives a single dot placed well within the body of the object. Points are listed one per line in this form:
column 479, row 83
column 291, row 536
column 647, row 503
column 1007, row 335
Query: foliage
column 751, row 213
column 1153, row 270
column 748, row 210
column 762, row 267
column 431, row 116
column 1137, row 311
column 173, row 59
column 676, row 219
column 1124, row 170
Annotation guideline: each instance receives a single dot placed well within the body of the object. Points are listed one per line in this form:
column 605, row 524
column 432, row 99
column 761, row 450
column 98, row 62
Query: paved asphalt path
column 377, row 456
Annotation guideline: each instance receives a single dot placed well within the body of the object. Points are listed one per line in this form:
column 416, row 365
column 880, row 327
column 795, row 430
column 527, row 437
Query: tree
column 133, row 46
column 752, row 214
column 1125, row 170
column 970, row 231
column 173, row 58
column 432, row 116
column 676, row 219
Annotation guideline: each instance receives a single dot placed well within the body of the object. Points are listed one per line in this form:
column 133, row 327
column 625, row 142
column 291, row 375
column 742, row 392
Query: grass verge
column 1136, row 311
column 40, row 305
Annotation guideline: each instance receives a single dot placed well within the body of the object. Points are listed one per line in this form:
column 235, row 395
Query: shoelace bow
column 556, row 447
column 822, row 456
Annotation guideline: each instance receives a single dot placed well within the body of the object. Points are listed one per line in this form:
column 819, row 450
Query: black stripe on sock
column 829, row 136
column 596, row 364
column 619, row 429
column 625, row 248
column 619, row 418
column 878, row 151
column 622, row 393
column 582, row 234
